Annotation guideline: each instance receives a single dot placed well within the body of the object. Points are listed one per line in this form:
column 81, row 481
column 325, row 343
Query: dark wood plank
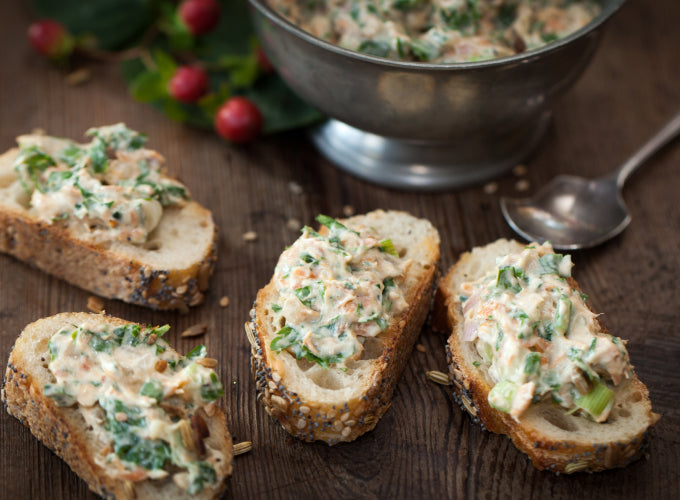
column 424, row 446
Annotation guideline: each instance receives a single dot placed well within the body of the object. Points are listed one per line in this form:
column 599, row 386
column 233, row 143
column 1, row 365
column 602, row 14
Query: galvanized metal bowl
column 415, row 125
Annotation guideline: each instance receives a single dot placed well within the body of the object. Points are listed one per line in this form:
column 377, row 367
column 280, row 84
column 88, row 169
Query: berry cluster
column 237, row 119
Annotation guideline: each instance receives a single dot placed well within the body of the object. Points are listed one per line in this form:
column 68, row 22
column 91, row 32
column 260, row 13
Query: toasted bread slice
column 551, row 437
column 313, row 402
column 171, row 270
column 65, row 430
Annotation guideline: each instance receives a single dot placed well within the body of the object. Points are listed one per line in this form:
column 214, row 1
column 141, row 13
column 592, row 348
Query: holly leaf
column 114, row 24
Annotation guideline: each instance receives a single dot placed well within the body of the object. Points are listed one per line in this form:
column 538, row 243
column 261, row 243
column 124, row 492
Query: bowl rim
column 607, row 11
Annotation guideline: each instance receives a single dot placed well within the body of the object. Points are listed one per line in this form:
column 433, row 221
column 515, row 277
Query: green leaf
column 114, row 23
column 147, row 87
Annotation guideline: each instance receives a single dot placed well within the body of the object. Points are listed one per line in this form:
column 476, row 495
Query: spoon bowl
column 572, row 212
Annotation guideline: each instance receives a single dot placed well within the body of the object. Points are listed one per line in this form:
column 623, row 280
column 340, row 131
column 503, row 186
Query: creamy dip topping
column 538, row 339
column 111, row 188
column 335, row 291
column 143, row 401
column 439, row 31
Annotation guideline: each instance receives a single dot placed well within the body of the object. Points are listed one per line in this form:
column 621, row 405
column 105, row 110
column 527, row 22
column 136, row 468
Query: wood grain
column 424, row 446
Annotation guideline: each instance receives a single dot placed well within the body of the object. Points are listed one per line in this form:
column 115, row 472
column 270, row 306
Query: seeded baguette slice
column 552, row 439
column 170, row 271
column 314, row 403
column 64, row 430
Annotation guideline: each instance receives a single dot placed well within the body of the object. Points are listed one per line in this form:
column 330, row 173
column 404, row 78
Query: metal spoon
column 573, row 212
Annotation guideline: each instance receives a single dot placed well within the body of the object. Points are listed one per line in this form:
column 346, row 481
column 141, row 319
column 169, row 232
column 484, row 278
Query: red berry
column 199, row 16
column 50, row 38
column 238, row 120
column 188, row 83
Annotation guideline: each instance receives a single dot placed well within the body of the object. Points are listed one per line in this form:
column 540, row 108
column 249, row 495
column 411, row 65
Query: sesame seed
column 522, row 185
column 490, row 188
column 224, row 301
column 295, row 188
column 95, row 304
column 293, row 224
column 520, row 170
column 249, row 236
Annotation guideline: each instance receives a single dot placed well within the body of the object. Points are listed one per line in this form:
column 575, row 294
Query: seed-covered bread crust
column 315, row 403
column 170, row 271
column 64, row 430
column 552, row 439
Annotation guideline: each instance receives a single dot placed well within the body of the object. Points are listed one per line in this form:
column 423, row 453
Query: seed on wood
column 438, row 377
column 522, row 185
column 241, row 448
column 421, row 348
column 249, row 236
column 293, row 224
column 490, row 188
column 78, row 76
column 95, row 304
column 520, row 170
column 348, row 210
column 195, row 330
column 295, row 188
column 224, row 301
column 207, row 362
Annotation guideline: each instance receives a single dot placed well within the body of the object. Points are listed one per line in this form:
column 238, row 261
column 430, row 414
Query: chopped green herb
column 197, row 352
column 212, row 390
column 153, row 389
column 276, row 308
column 387, row 246
column 59, row 395
column 532, row 363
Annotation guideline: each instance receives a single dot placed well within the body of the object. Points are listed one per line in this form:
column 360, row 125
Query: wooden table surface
column 424, row 446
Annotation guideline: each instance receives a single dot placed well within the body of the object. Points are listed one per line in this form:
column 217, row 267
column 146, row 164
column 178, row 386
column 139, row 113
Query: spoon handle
column 656, row 142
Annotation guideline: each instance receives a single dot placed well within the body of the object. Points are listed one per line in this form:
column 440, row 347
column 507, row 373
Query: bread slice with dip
column 334, row 328
column 528, row 358
column 129, row 415
column 105, row 217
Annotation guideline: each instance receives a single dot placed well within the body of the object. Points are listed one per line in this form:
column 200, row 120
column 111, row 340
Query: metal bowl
column 425, row 126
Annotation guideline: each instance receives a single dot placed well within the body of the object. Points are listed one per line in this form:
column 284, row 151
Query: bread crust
column 108, row 270
column 552, row 439
column 63, row 429
column 342, row 419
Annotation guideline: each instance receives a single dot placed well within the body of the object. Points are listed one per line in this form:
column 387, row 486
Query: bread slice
column 316, row 403
column 65, row 431
column 552, row 438
column 171, row 270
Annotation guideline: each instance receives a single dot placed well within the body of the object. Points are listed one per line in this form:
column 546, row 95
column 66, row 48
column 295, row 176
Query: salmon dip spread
column 439, row 31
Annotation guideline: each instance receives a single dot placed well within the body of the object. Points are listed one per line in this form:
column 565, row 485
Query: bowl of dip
column 430, row 94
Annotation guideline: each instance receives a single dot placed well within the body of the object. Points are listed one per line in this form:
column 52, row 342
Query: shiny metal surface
column 572, row 212
column 490, row 110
